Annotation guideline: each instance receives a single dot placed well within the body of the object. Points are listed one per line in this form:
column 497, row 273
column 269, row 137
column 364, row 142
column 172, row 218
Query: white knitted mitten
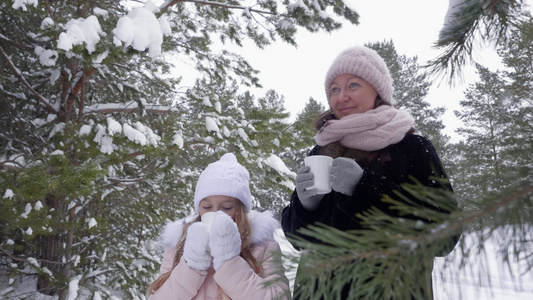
column 195, row 248
column 224, row 239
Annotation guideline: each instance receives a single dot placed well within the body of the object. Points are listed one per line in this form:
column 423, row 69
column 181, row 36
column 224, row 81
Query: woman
column 374, row 152
column 235, row 257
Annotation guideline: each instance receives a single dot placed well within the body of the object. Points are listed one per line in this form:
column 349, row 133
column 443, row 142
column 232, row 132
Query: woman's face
column 218, row 202
column 351, row 94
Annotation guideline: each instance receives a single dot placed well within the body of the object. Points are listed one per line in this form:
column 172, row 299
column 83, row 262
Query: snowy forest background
column 101, row 145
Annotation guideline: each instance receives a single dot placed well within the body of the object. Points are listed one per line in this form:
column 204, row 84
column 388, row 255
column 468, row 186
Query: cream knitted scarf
column 369, row 131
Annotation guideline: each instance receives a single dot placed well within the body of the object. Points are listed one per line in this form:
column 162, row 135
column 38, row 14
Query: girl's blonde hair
column 245, row 230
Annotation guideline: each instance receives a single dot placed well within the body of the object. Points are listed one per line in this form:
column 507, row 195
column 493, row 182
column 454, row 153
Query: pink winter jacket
column 235, row 277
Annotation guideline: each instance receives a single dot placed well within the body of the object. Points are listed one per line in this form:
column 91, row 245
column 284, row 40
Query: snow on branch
column 131, row 106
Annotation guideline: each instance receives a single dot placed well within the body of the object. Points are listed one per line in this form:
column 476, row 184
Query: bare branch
column 165, row 6
column 26, row 259
column 130, row 107
column 19, row 45
column 17, row 72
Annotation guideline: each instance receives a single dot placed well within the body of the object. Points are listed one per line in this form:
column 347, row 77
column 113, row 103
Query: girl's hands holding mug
column 218, row 244
column 224, row 239
column 195, row 248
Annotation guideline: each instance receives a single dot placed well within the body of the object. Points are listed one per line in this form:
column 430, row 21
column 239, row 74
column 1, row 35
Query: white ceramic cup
column 320, row 167
column 207, row 219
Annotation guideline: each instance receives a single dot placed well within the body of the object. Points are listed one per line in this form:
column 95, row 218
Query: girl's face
column 218, row 202
column 351, row 94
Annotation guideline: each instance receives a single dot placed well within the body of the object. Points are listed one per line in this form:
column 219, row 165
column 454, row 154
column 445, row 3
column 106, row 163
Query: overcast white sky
column 413, row 25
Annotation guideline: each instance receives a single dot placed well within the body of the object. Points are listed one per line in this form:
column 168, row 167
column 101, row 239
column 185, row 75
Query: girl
column 236, row 257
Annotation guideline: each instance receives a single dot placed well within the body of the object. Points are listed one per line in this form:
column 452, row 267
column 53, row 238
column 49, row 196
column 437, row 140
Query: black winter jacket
column 413, row 156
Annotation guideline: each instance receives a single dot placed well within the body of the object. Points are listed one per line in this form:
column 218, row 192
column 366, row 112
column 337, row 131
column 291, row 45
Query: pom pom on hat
column 224, row 177
column 365, row 63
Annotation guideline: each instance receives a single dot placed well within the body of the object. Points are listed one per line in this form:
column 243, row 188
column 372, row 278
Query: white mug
column 320, row 167
column 207, row 219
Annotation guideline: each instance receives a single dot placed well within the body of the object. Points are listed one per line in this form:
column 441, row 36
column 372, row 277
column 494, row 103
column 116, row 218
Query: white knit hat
column 365, row 63
column 225, row 177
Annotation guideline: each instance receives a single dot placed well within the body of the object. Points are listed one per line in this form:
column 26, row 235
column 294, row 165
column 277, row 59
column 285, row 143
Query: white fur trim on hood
column 263, row 226
column 172, row 232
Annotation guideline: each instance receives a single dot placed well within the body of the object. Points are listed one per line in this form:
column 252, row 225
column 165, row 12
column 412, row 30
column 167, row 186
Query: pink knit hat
column 225, row 177
column 365, row 63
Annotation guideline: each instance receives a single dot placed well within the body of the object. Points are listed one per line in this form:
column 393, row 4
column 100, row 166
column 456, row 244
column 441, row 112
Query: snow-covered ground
column 484, row 277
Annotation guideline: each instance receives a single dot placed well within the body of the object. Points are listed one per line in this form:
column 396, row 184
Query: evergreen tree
column 100, row 142
column 268, row 123
column 303, row 132
column 497, row 132
column 491, row 180
column 492, row 169
column 517, row 57
column 469, row 23
column 483, row 113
